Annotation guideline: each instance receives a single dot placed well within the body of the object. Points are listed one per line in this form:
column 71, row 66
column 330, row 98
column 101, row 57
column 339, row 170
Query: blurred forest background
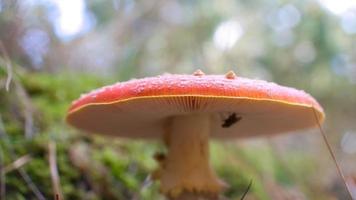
column 51, row 51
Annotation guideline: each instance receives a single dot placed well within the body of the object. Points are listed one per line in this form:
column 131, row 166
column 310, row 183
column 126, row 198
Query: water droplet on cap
column 230, row 75
column 198, row 73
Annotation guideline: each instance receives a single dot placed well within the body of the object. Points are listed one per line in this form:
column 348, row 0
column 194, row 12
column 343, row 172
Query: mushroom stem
column 186, row 168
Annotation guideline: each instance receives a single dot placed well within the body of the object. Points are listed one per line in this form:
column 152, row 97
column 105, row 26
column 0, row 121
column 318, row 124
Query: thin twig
column 17, row 163
column 24, row 175
column 2, row 176
column 54, row 170
column 8, row 66
column 247, row 190
column 332, row 153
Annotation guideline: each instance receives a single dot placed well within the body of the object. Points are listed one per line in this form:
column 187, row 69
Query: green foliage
column 52, row 94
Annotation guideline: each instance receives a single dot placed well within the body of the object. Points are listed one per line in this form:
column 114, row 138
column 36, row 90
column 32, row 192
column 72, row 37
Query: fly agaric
column 185, row 111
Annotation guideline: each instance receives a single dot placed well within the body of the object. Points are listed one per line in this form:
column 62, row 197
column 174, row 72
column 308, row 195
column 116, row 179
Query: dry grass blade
column 332, row 153
column 27, row 109
column 31, row 185
column 247, row 190
column 8, row 66
column 54, row 170
column 17, row 163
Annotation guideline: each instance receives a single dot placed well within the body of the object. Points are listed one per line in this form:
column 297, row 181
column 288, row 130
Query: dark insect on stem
column 246, row 191
column 232, row 119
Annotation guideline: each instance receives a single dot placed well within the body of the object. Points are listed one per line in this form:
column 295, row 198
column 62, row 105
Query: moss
column 52, row 94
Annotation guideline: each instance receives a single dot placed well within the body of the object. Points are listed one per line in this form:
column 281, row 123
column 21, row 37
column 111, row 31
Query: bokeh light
column 227, row 34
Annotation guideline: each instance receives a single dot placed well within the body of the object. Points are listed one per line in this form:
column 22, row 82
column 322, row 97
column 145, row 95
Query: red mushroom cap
column 139, row 108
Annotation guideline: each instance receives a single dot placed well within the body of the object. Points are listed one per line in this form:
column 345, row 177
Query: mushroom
column 185, row 111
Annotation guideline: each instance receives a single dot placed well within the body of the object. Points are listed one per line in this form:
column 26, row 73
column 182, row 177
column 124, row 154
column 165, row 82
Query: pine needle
column 332, row 153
